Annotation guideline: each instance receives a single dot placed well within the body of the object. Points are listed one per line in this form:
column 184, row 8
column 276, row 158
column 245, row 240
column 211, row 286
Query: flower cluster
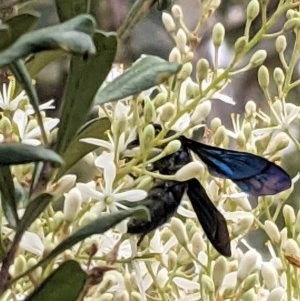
column 175, row 261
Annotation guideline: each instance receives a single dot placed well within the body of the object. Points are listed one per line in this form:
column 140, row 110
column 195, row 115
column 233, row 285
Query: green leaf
column 17, row 26
column 65, row 283
column 39, row 61
column 17, row 153
column 33, row 210
column 85, row 77
column 8, row 201
column 67, row 9
column 72, row 36
column 76, row 150
column 142, row 75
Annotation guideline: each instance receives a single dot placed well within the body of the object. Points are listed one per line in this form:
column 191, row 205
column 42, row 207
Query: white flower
column 7, row 103
column 108, row 241
column 109, row 198
column 30, row 241
column 217, row 95
column 28, row 135
column 45, row 106
column 285, row 114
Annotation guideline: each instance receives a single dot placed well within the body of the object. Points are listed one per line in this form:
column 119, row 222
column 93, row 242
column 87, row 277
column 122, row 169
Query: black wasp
column 253, row 175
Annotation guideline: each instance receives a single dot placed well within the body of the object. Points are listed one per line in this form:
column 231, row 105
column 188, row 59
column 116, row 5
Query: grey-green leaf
column 33, row 210
column 40, row 60
column 76, row 150
column 17, row 153
column 17, row 26
column 72, row 36
column 8, row 201
column 67, row 9
column 85, row 77
column 65, row 283
column 142, row 75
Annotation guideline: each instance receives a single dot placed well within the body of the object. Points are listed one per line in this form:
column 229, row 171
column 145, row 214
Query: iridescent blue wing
column 253, row 174
column 212, row 221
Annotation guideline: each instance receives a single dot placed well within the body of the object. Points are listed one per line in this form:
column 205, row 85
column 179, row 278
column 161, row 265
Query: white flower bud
column 240, row 45
column 166, row 112
column 276, row 294
column 183, row 257
column 135, row 296
column 291, row 14
column 148, row 135
column 178, row 229
column 181, row 40
column 258, row 58
column 160, row 99
column 63, row 185
column 172, row 147
column 273, row 232
column 168, row 22
column 263, row 77
column 106, row 297
column 250, row 107
column 72, row 204
column 212, row 5
column 145, row 183
column 189, row 171
column 220, row 135
column 252, row 10
column 207, row 284
column 185, row 71
column 278, row 143
column 219, row 272
column 289, row 215
column 215, row 124
column 192, row 90
column 250, row 282
column 279, row 76
column 297, row 223
column 49, row 243
column 247, row 264
column 291, row 248
column 162, row 277
column 250, row 295
column 202, row 70
column 177, row 11
column 228, row 292
column 269, row 275
column 198, row 243
column 36, row 273
column 283, row 236
column 280, row 44
column 20, row 265
column 122, row 296
column 175, row 56
column 149, row 111
column 218, row 34
column 108, row 281
column 120, row 118
column 172, row 260
column 58, row 219
column 291, row 24
column 5, row 126
column 243, row 225
column 189, row 56
column 243, row 202
column 201, row 112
